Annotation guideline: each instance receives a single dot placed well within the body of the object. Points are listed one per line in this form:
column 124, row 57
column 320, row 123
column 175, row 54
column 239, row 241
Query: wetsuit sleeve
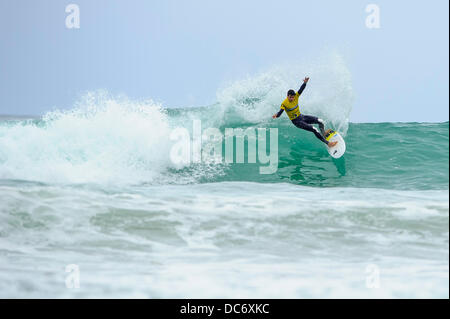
column 301, row 88
column 280, row 111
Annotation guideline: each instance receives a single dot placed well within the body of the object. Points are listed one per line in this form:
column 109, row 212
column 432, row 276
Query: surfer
column 290, row 105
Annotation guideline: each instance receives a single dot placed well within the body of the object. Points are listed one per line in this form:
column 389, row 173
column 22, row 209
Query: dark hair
column 291, row 92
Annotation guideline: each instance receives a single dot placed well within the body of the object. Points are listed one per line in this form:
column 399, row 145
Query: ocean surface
column 93, row 205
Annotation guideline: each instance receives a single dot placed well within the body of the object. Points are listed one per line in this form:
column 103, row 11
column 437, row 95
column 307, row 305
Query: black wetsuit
column 304, row 122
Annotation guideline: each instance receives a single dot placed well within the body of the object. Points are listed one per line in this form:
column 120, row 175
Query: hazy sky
column 180, row 52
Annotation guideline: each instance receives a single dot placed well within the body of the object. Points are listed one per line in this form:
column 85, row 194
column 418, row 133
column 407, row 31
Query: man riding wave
column 290, row 105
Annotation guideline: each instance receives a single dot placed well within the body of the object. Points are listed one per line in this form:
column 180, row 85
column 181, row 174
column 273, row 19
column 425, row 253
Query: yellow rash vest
column 292, row 108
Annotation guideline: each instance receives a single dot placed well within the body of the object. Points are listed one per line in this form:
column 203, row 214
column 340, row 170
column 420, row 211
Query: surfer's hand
column 332, row 144
column 306, row 80
column 274, row 116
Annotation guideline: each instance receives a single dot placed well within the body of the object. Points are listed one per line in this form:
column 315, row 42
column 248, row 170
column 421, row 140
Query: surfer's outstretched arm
column 278, row 114
column 300, row 90
column 303, row 86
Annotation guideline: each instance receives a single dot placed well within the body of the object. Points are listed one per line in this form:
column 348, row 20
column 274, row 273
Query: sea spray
column 328, row 95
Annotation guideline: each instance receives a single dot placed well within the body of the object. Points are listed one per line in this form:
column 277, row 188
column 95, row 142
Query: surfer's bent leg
column 314, row 120
column 305, row 126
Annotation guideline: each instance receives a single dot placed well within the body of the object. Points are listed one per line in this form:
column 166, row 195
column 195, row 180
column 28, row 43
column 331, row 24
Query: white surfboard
column 339, row 149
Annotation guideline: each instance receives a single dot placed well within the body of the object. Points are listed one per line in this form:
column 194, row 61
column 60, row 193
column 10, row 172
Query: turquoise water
column 380, row 155
column 403, row 156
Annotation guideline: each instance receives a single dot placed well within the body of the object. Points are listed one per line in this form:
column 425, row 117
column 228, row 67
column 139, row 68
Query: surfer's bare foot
column 331, row 144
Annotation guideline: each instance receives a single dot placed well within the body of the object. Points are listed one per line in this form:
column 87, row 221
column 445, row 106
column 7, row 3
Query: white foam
column 329, row 94
column 101, row 140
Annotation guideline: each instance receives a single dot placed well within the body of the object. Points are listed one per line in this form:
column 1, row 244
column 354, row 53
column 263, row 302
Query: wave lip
column 102, row 140
column 328, row 95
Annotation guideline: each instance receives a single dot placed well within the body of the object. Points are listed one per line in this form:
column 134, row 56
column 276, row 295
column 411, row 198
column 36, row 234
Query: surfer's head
column 291, row 95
